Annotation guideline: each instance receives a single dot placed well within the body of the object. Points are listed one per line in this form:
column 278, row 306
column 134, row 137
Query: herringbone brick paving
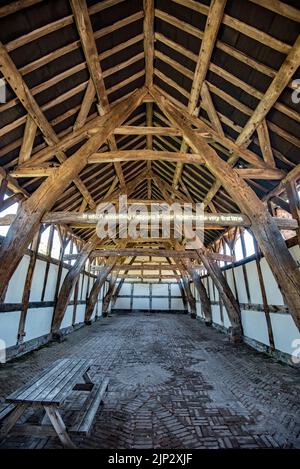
column 174, row 383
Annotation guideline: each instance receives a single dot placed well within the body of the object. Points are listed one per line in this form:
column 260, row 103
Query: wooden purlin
column 14, row 78
column 86, row 34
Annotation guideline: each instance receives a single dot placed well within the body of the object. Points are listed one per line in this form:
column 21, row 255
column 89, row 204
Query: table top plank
column 53, row 385
column 45, row 390
column 58, row 394
column 37, row 381
column 48, row 379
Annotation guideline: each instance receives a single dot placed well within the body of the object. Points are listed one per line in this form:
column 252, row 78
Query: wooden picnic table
column 50, row 391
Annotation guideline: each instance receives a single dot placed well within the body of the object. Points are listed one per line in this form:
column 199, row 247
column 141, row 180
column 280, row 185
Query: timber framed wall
column 38, row 318
column 266, row 326
column 155, row 297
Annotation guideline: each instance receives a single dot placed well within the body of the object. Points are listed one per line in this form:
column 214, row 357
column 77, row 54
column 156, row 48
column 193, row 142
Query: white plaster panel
column 175, row 290
column 230, row 281
column 205, row 283
column 160, row 303
column 91, row 284
column 85, row 285
column 217, row 295
column 80, row 285
column 240, row 284
column 9, row 324
column 215, row 309
column 38, row 322
column 176, row 303
column 63, row 274
column 100, row 306
column 125, row 289
column 15, row 288
column 160, row 289
column 255, row 325
column 51, row 282
column 226, row 320
column 254, row 285
column 199, row 309
column 284, row 332
column 295, row 252
column 67, row 320
column 141, row 289
column 122, row 303
column 37, row 281
column 80, row 311
column 141, row 303
column 274, row 296
column 210, row 289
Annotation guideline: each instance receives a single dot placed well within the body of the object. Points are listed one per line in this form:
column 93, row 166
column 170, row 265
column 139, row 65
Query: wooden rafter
column 86, row 34
column 17, row 83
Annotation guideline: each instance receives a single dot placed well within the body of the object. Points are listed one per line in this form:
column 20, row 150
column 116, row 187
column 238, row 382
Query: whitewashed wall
column 253, row 316
column 39, row 318
column 149, row 296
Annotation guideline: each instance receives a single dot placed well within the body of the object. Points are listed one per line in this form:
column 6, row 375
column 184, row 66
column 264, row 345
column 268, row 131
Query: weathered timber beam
column 292, row 176
column 14, row 78
column 144, row 267
column 142, row 252
column 32, row 210
column 69, row 282
column 99, row 282
column 204, row 299
column 12, row 185
column 141, row 130
column 191, row 268
column 85, row 30
column 28, row 140
column 6, row 203
column 280, row 81
column 250, row 173
column 149, row 277
column 226, row 294
column 132, row 155
column 107, row 298
column 216, row 221
column 294, row 203
column 202, row 128
column 268, row 236
column 189, row 295
column 17, row 5
column 213, row 21
column 149, row 40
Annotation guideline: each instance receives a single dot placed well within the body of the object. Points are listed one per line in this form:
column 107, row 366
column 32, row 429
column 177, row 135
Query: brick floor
column 174, row 383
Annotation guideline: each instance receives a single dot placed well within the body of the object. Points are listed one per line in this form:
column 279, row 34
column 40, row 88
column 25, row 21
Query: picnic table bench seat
column 50, row 391
column 5, row 410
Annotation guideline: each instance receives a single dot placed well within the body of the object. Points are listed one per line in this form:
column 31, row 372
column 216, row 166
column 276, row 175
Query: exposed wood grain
column 264, row 228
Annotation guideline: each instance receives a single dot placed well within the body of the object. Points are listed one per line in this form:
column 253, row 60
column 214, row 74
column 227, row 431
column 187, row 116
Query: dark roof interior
column 53, row 66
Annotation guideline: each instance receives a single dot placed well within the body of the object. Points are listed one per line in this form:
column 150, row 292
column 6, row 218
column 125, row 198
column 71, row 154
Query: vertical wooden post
column 109, row 293
column 294, row 203
column 69, row 283
column 226, row 296
column 244, row 251
column 264, row 296
column 189, row 295
column 48, row 254
column 183, row 295
column 96, row 290
column 205, row 302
